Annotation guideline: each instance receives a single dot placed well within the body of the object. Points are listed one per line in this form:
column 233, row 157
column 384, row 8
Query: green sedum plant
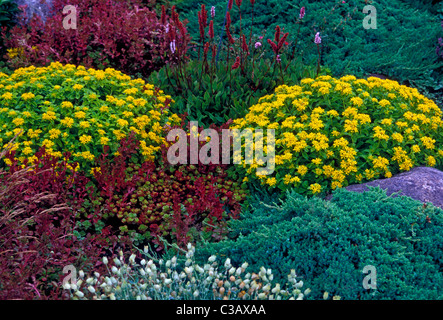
column 329, row 243
column 331, row 132
column 68, row 108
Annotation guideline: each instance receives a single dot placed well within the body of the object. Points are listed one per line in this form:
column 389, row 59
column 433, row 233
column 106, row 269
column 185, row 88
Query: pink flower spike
column 212, row 12
column 317, row 39
column 302, row 12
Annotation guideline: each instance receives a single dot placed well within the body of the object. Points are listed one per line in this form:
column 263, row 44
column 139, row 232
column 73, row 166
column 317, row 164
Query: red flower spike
column 282, row 41
column 204, row 15
column 252, row 2
column 238, row 3
column 173, row 13
column 201, row 27
column 236, row 63
column 182, row 29
column 228, row 19
column 273, row 45
column 163, row 16
column 277, row 34
column 214, row 51
column 174, row 17
column 230, row 3
column 244, row 45
column 211, row 29
column 228, row 34
column 172, row 35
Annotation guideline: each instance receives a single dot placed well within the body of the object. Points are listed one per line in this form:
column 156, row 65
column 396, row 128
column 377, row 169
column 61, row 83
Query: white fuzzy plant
column 148, row 280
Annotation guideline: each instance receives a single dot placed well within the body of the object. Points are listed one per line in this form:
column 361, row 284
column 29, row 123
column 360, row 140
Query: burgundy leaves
column 132, row 40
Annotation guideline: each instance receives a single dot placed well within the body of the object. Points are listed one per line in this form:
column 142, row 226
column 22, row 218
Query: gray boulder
column 38, row 7
column 420, row 183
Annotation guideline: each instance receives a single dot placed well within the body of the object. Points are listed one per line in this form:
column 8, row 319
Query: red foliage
column 278, row 42
column 211, row 29
column 37, row 224
column 202, row 21
column 236, row 63
column 109, row 33
column 244, row 45
column 172, row 202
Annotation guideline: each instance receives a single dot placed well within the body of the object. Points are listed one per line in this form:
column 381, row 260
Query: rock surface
column 420, row 183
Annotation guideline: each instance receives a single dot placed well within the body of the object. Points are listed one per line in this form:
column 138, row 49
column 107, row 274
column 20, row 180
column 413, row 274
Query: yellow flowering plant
column 73, row 109
column 332, row 132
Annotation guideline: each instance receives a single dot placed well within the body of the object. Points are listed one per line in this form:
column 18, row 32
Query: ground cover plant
column 330, row 132
column 69, row 108
column 329, row 243
column 156, row 203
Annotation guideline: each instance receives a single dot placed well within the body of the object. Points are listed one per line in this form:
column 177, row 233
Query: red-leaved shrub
column 37, row 223
column 112, row 33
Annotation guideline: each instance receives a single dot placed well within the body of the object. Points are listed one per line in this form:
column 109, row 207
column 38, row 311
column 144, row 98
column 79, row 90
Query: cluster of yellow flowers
column 69, row 108
column 332, row 132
